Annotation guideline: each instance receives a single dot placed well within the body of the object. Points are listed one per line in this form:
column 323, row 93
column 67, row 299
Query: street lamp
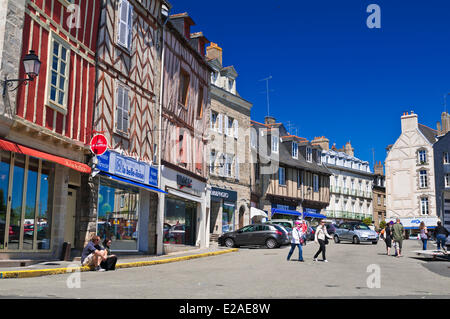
column 32, row 66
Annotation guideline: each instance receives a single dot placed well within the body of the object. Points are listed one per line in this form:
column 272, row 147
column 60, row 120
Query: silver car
column 356, row 233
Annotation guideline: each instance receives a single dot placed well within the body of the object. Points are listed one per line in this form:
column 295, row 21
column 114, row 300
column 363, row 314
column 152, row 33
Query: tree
column 383, row 224
column 367, row 221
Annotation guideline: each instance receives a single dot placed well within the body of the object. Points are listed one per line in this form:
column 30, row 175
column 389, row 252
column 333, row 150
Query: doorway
column 69, row 227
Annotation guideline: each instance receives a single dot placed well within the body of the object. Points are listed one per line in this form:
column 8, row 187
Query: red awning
column 17, row 148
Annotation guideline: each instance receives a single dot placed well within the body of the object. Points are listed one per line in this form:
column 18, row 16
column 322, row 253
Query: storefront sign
column 127, row 167
column 184, row 181
column 99, row 144
column 227, row 195
column 414, row 222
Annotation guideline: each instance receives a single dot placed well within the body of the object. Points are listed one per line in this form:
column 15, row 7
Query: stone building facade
column 228, row 149
column 410, row 174
column 379, row 194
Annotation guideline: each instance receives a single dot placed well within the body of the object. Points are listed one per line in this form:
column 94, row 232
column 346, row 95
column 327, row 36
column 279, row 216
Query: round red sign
column 99, row 144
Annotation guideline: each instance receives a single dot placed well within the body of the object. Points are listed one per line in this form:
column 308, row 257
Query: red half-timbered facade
column 46, row 148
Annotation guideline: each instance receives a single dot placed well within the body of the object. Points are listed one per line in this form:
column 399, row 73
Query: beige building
column 379, row 194
column 410, row 184
column 229, row 168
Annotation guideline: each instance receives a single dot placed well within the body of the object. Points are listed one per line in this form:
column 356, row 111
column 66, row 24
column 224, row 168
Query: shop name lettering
column 122, row 168
column 220, row 194
column 184, row 181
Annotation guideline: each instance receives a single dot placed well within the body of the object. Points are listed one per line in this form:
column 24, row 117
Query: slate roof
column 429, row 133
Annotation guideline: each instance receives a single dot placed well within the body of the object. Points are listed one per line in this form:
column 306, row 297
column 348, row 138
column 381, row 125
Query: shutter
column 126, row 110
column 221, row 165
column 122, row 28
column 219, row 118
column 210, row 120
column 119, row 108
column 184, row 156
column 225, row 122
column 236, row 129
column 237, row 168
column 130, row 26
column 199, row 154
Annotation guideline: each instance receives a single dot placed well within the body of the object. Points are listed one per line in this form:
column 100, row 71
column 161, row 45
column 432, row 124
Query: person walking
column 441, row 234
column 304, row 231
column 423, row 235
column 398, row 233
column 321, row 238
column 387, row 236
column 296, row 241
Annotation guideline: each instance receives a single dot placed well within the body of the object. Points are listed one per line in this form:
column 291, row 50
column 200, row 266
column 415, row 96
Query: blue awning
column 128, row 181
column 296, row 213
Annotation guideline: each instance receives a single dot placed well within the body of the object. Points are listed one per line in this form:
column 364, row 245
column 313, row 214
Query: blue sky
column 331, row 74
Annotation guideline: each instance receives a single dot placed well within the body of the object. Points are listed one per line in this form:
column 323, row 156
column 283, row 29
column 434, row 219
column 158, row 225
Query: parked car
column 356, row 233
column 269, row 235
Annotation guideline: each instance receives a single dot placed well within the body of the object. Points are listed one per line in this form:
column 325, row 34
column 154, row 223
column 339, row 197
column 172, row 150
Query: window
column 200, row 103
column 378, row 199
column 424, row 205
column 122, row 109
column 274, row 144
column 422, row 156
column 447, row 180
column 230, row 84
column 308, row 154
column 214, row 76
column 58, row 74
column 294, row 150
column 212, row 159
column 423, row 180
column 228, row 164
column 229, row 125
column 446, row 159
column 124, row 33
column 299, row 178
column 236, row 129
column 253, row 137
column 316, row 183
column 184, row 88
column 282, row 176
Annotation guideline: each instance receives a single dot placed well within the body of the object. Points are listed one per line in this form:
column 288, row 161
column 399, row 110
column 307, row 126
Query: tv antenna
column 267, row 92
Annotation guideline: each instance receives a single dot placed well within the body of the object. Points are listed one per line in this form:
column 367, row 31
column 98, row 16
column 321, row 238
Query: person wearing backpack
column 296, row 241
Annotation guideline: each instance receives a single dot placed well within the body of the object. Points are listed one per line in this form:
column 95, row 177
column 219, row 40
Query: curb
column 65, row 270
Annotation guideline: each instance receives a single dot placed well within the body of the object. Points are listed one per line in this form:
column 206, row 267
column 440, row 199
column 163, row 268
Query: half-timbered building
column 45, row 143
column 288, row 179
column 127, row 88
column 185, row 109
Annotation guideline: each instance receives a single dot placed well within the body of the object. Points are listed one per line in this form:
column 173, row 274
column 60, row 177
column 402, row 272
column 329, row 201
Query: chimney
column 322, row 141
column 348, row 149
column 269, row 120
column 214, row 52
column 445, row 123
column 378, row 169
column 410, row 122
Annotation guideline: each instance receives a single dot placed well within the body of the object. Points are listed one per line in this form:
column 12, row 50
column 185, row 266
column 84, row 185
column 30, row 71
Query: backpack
column 109, row 263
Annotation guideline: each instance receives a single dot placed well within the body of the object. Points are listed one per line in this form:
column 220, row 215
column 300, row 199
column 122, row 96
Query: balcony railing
column 346, row 214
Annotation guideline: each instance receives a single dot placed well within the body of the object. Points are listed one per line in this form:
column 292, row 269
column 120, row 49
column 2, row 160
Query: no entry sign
column 99, row 144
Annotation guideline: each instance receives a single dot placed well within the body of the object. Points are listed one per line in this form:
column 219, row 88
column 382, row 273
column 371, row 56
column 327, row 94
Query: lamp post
column 32, row 66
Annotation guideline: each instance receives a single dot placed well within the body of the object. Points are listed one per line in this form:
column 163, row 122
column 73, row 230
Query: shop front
column 34, row 189
column 183, row 212
column 223, row 209
column 412, row 224
column 124, row 202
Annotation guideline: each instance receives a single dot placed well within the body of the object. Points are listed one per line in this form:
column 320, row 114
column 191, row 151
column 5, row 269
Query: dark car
column 269, row 235
column 331, row 228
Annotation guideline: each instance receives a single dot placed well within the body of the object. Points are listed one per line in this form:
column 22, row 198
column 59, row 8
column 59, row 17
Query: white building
column 410, row 183
column 350, row 184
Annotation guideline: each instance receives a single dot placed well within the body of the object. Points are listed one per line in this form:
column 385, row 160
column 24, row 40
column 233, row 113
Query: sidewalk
column 62, row 267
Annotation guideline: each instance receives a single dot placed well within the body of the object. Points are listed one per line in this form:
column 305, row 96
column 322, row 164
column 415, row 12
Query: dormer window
column 308, row 154
column 214, row 76
column 230, row 84
column 295, row 150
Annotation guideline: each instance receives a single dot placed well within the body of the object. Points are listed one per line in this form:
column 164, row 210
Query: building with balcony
column 350, row 184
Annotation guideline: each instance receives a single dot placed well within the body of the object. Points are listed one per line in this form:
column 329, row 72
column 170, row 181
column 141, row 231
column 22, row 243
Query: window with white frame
column 274, row 144
column 230, row 84
column 58, row 73
column 212, row 160
column 447, row 180
column 282, row 176
column 446, row 158
column 308, row 154
column 424, row 209
column 229, row 125
column 423, row 179
column 214, row 76
column 294, row 150
column 228, row 165
column 316, row 182
column 122, row 109
column 422, row 156
column 125, row 24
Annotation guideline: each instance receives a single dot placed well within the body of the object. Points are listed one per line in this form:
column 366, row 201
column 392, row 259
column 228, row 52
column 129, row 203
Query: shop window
column 118, row 215
column 4, row 183
column 180, row 222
